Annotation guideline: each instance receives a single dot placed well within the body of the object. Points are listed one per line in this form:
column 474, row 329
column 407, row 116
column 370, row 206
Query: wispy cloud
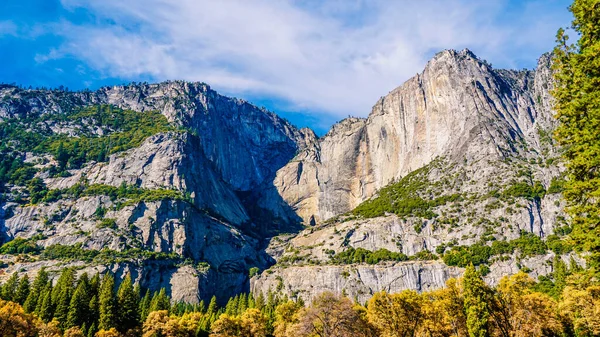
column 336, row 56
column 7, row 28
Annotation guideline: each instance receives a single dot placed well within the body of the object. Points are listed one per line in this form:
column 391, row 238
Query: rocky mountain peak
column 457, row 155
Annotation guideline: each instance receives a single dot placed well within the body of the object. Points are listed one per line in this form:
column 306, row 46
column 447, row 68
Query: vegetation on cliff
column 72, row 138
column 405, row 198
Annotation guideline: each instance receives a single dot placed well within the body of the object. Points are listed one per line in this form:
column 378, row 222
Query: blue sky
column 313, row 62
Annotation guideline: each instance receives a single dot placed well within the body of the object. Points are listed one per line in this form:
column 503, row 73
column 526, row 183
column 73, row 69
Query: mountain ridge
column 250, row 174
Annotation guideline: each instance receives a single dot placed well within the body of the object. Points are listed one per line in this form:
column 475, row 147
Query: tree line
column 97, row 307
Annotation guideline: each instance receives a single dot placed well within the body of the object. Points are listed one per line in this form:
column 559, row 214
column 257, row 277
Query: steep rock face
column 470, row 137
column 246, row 144
column 170, row 227
column 172, row 161
column 360, row 281
column 225, row 147
column 457, row 107
column 470, row 130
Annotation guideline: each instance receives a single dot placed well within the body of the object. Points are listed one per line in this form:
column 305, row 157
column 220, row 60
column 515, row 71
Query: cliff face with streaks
column 452, row 156
column 460, row 139
column 458, row 107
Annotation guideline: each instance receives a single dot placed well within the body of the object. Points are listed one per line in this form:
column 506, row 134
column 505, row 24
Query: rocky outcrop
column 360, row 282
column 224, row 150
column 243, row 144
column 460, row 127
column 463, row 129
column 458, row 107
column 357, row 281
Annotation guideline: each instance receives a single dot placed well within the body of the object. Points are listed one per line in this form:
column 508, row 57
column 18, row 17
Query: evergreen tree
column 62, row 156
column 94, row 305
column 242, row 304
column 477, row 312
column 231, row 306
column 46, row 309
column 65, row 281
column 36, row 288
column 212, row 306
column 251, row 302
column 260, row 301
column 128, row 306
column 22, row 290
column 577, row 103
column 10, row 287
column 61, row 296
column 160, row 301
column 61, row 309
column 95, row 285
column 107, row 303
column 145, row 306
column 138, row 291
column 84, row 328
column 92, row 330
column 93, row 310
column 200, row 307
column 79, row 305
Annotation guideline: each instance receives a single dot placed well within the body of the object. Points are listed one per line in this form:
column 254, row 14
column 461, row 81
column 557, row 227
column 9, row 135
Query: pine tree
column 94, row 305
column 200, row 307
column 128, row 306
column 138, row 291
column 577, row 103
column 79, row 305
column 61, row 296
column 242, row 304
column 231, row 306
column 61, row 310
column 65, row 281
column 107, row 303
column 10, row 287
column 251, row 301
column 46, row 309
column 62, row 156
column 36, row 288
column 145, row 306
column 92, row 330
column 84, row 329
column 95, row 285
column 22, row 290
column 260, row 301
column 160, row 301
column 93, row 310
column 475, row 305
column 212, row 306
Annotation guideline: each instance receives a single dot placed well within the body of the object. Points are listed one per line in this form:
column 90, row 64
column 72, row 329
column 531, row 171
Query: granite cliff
column 471, row 142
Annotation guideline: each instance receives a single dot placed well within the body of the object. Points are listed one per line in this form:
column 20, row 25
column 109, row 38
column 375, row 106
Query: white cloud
column 337, row 57
column 7, row 28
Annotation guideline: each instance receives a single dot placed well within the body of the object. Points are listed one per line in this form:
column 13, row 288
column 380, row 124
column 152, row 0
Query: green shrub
column 20, row 246
column 107, row 223
column 253, row 271
column 403, row 198
column 556, row 186
column 424, row 255
column 528, row 244
column 462, row 256
column 361, row 255
column 525, row 190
